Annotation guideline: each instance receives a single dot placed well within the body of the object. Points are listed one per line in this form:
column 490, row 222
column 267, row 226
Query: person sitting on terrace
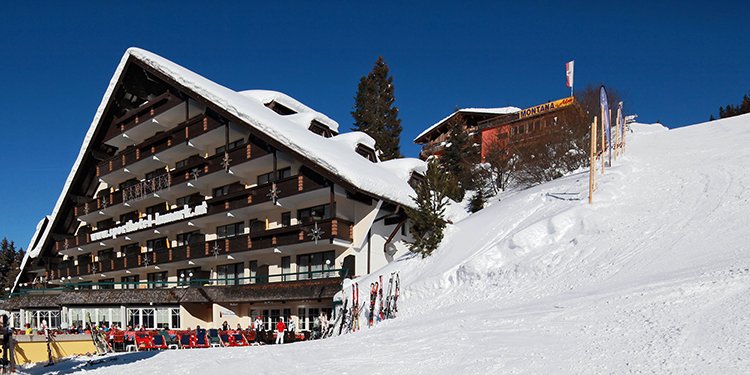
column 239, row 327
column 28, row 329
column 225, row 326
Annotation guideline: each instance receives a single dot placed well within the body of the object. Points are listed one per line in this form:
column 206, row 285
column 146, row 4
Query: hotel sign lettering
column 149, row 221
column 546, row 107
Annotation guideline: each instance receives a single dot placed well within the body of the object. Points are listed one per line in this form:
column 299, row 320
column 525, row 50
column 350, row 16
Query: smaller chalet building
column 505, row 126
column 193, row 204
column 434, row 138
column 526, row 126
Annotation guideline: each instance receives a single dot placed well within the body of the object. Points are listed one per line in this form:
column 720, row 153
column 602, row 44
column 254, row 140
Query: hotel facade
column 194, row 204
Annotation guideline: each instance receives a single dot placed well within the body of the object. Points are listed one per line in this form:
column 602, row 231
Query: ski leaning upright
column 98, row 337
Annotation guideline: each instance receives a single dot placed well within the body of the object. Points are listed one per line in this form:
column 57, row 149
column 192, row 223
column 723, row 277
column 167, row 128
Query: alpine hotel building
column 193, row 204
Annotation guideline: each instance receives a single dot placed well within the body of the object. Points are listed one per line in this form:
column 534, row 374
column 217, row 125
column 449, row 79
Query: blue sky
column 673, row 64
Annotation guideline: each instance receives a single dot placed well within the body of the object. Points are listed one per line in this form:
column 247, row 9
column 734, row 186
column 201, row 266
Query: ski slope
column 653, row 277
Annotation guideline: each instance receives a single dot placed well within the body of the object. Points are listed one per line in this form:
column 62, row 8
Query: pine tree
column 9, row 263
column 477, row 201
column 427, row 219
column 374, row 111
column 460, row 157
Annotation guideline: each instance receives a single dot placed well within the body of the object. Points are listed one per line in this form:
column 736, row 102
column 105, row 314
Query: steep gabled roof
column 333, row 159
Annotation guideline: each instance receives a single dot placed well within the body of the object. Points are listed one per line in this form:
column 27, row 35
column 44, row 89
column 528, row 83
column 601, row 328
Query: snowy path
column 652, row 278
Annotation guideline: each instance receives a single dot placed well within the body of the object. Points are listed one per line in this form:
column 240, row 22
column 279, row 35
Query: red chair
column 238, row 339
column 118, row 338
column 186, row 340
column 144, row 341
column 200, row 339
column 159, row 342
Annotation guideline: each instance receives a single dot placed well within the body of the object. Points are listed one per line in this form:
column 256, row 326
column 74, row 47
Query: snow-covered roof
column 333, row 156
column 303, row 111
column 404, row 167
column 488, row 111
column 352, row 139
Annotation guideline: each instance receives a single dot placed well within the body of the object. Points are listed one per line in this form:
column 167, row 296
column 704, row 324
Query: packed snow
column 653, row 277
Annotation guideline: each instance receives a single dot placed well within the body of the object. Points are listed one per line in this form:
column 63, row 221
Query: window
column 129, row 216
column 231, row 146
column 253, row 271
column 84, row 259
column 131, row 249
column 286, row 219
column 221, row 191
column 307, row 317
column 316, row 265
column 184, row 162
column 309, row 215
column 280, row 173
column 257, row 226
column 154, row 173
column 175, row 318
column 286, row 269
column 158, row 208
column 230, row 274
column 106, row 254
column 157, row 279
column 106, row 283
column 229, row 230
column 128, row 184
column 130, row 282
column 190, row 238
column 189, row 200
column 156, row 244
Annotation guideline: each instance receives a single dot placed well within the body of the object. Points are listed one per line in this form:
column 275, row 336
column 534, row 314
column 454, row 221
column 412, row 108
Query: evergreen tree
column 460, row 157
column 477, row 201
column 10, row 261
column 427, row 220
column 374, row 111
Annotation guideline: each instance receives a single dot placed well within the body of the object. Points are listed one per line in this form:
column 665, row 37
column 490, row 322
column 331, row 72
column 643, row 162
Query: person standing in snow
column 280, row 328
column 291, row 328
column 259, row 329
column 323, row 324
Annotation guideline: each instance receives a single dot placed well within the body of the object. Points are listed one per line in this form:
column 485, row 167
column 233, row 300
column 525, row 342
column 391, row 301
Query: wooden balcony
column 197, row 167
column 331, row 229
column 192, row 128
column 137, row 116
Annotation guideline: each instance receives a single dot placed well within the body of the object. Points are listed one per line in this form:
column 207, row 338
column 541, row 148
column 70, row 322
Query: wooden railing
column 134, row 117
column 302, row 233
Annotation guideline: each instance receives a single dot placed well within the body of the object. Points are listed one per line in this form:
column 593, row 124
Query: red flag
column 569, row 73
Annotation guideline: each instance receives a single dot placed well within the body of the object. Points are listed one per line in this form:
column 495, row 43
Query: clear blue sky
column 676, row 64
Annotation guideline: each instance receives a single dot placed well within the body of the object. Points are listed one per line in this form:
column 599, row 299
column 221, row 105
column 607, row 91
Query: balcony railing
column 192, row 128
column 281, row 279
column 145, row 188
column 327, row 230
column 197, row 167
column 256, row 195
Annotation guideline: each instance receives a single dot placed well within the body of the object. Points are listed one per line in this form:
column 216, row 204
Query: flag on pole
column 569, row 73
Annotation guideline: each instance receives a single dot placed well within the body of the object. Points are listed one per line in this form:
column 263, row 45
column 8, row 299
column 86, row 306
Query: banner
column 546, row 107
column 605, row 116
column 621, row 120
column 569, row 73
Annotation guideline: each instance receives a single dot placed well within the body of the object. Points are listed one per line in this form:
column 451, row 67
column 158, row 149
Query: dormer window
column 415, row 180
column 320, row 129
column 366, row 152
column 280, row 108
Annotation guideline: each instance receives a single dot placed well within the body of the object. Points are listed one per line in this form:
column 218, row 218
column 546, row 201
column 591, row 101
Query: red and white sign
column 569, row 73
